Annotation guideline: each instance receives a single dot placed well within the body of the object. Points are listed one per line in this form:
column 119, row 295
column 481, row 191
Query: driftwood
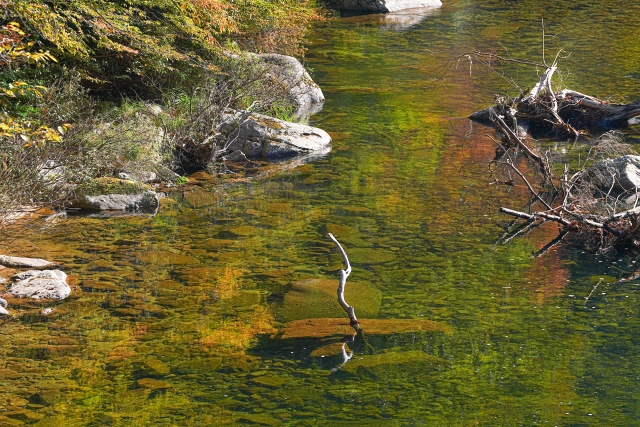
column 567, row 112
column 593, row 217
column 343, row 281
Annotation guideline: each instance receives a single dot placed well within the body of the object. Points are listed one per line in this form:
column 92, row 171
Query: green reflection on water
column 172, row 321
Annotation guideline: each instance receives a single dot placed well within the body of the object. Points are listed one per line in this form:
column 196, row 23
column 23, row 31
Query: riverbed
column 177, row 319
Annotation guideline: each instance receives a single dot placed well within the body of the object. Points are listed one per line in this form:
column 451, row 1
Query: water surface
column 175, row 318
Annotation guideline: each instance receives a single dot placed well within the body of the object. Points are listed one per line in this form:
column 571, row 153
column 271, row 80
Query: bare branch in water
column 343, row 281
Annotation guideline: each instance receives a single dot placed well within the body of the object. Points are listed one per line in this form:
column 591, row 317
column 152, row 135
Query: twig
column 343, row 281
column 591, row 293
column 515, row 139
column 536, row 215
column 536, row 195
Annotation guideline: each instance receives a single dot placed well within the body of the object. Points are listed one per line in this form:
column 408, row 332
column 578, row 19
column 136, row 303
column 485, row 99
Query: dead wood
column 590, row 213
column 566, row 112
column 592, row 205
column 343, row 282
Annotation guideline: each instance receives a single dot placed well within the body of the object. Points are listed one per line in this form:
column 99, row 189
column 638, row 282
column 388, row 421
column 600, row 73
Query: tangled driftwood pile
column 566, row 112
column 595, row 205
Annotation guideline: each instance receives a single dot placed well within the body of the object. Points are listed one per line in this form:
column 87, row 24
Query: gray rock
column 51, row 172
column 621, row 174
column 3, row 306
column 19, row 262
column 119, row 202
column 39, row 284
column 405, row 19
column 139, row 176
column 380, row 6
column 289, row 72
column 235, row 156
column 266, row 137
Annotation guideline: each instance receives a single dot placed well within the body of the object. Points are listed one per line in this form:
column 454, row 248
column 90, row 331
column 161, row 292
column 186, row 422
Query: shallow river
column 177, row 319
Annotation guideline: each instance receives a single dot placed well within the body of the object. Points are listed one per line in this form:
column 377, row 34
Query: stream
column 177, row 319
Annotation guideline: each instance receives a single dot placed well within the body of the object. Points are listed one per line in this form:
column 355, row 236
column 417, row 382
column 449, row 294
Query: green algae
column 107, row 186
column 380, row 363
column 317, row 298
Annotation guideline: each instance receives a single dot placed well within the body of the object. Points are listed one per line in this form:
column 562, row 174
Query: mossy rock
column 113, row 194
column 313, row 298
column 329, row 327
column 153, row 384
column 156, row 366
column 382, row 364
column 106, row 186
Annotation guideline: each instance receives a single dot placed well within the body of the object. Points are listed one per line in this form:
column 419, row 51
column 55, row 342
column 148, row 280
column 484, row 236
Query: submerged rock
column 154, row 384
column 314, row 298
column 382, row 363
column 261, row 136
column 39, row 284
column 324, row 328
column 20, row 262
column 380, row 6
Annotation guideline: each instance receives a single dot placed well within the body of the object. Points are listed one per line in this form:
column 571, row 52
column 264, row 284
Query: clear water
column 175, row 319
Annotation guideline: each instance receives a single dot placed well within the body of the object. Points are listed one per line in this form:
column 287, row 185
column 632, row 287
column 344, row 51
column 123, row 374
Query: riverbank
column 143, row 102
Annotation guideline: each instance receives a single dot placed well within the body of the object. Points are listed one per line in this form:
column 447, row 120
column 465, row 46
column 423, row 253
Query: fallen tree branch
column 536, row 195
column 534, row 216
column 343, row 281
column 515, row 139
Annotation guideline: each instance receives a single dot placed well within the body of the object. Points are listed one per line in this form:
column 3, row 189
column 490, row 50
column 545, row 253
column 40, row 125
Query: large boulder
column 289, row 72
column 261, row 136
column 116, row 194
column 287, row 77
column 39, row 284
column 379, row 6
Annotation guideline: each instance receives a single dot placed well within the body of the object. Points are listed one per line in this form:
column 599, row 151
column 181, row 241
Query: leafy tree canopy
column 118, row 39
